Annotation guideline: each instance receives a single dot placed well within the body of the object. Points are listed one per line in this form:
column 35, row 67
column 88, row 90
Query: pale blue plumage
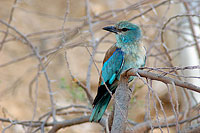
column 126, row 53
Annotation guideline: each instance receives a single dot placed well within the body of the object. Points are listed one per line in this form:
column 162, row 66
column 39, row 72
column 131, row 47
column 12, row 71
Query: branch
column 67, row 123
column 146, row 126
column 55, row 125
column 123, row 95
column 9, row 22
column 192, row 28
column 192, row 129
column 83, row 119
column 78, row 82
column 167, row 80
column 122, row 99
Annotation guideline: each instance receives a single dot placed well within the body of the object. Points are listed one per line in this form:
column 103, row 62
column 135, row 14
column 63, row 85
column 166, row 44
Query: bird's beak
column 111, row 29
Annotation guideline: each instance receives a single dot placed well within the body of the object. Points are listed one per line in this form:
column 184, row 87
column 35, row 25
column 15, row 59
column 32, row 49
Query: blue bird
column 125, row 54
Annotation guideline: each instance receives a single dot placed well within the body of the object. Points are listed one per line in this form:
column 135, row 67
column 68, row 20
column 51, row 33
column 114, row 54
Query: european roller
column 126, row 53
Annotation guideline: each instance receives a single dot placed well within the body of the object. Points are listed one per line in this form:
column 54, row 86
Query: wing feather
column 112, row 65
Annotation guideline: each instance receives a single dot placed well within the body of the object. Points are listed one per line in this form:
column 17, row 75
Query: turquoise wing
column 112, row 67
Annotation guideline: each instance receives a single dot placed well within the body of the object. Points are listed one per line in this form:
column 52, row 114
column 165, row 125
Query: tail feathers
column 100, row 108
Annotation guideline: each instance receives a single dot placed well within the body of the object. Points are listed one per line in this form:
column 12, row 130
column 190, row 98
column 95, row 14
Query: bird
column 128, row 52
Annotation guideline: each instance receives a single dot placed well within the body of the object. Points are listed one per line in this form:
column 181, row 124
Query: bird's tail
column 100, row 107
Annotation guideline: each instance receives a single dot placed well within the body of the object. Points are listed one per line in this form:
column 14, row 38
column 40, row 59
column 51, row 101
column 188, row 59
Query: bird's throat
column 129, row 48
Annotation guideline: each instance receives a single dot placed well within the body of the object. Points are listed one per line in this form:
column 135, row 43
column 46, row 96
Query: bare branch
column 9, row 22
column 67, row 123
column 167, row 80
column 192, row 28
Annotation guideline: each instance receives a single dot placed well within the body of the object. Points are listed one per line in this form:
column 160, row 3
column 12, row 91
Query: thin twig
column 94, row 44
column 192, row 28
column 9, row 22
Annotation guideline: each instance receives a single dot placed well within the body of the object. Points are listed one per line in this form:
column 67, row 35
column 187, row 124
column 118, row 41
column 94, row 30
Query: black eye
column 125, row 29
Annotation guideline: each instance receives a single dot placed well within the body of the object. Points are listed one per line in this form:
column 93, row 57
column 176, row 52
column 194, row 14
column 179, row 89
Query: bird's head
column 125, row 32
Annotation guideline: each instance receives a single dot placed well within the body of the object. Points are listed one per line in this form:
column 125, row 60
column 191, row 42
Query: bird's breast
column 134, row 59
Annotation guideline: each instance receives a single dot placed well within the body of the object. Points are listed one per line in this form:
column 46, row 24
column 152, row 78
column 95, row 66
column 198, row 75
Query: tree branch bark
column 67, row 123
column 122, row 99
column 63, row 124
column 159, row 77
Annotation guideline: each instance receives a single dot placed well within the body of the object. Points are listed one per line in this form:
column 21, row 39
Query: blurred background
column 51, row 54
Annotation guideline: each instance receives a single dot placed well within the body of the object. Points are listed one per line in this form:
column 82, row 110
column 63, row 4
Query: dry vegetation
column 51, row 53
